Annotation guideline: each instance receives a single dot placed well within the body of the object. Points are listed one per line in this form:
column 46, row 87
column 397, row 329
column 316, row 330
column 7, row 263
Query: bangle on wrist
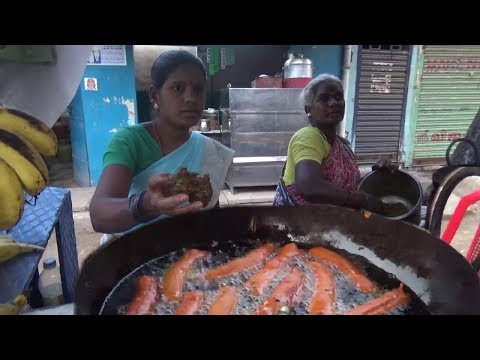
column 130, row 199
column 135, row 208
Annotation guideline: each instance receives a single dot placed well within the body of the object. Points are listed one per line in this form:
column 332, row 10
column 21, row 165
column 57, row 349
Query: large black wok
column 441, row 277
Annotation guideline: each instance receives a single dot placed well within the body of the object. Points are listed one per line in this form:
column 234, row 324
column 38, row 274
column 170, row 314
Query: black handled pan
column 440, row 276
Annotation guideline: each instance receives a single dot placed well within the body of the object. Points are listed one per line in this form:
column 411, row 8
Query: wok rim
column 81, row 297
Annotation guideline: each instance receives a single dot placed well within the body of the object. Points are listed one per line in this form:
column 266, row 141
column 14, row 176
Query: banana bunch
column 23, row 141
column 9, row 248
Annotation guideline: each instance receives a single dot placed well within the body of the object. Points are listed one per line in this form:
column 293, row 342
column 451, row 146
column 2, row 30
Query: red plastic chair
column 456, row 219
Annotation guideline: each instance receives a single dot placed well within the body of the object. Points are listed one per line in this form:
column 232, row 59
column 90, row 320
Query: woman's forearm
column 327, row 193
column 110, row 215
column 311, row 183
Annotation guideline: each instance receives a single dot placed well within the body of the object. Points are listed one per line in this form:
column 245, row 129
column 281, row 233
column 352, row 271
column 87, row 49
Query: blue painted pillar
column 105, row 101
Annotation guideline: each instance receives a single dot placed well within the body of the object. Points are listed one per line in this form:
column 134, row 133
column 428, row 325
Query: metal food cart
column 258, row 123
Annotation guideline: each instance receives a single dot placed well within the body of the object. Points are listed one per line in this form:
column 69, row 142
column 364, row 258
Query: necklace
column 325, row 136
column 156, row 134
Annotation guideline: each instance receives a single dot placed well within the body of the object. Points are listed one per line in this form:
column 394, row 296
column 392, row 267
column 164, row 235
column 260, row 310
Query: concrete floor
column 88, row 239
column 61, row 175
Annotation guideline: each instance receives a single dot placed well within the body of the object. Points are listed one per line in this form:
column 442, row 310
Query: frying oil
column 346, row 294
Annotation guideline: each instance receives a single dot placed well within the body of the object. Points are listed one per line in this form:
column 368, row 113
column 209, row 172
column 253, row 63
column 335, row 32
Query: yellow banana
column 11, row 197
column 32, row 129
column 10, row 250
column 14, row 307
column 25, row 160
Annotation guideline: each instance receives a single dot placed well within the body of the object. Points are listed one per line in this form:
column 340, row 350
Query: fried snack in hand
column 198, row 188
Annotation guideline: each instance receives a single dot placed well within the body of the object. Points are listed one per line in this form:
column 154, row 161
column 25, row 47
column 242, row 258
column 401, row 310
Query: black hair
column 169, row 61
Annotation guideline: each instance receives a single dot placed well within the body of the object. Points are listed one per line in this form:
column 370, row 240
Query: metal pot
column 297, row 67
column 398, row 186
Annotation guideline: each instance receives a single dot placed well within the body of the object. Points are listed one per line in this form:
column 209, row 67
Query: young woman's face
column 328, row 105
column 181, row 99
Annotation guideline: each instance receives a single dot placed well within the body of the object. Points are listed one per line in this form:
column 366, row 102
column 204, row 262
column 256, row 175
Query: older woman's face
column 328, row 105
